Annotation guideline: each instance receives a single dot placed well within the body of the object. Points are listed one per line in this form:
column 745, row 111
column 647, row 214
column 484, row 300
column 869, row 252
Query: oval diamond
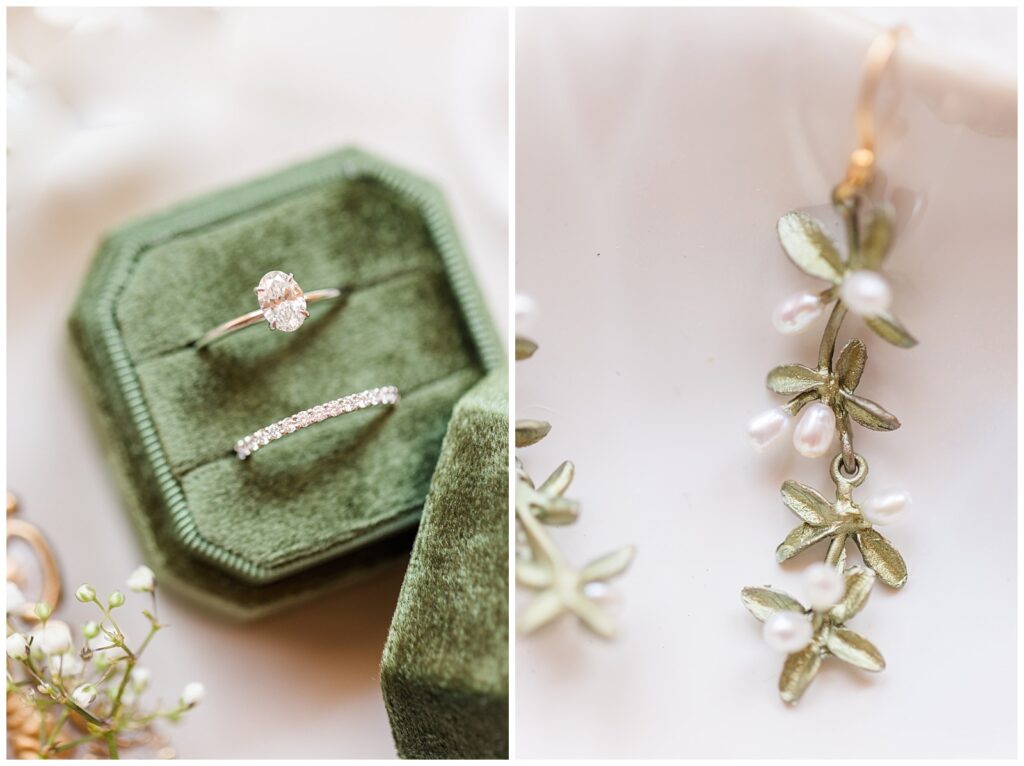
column 282, row 301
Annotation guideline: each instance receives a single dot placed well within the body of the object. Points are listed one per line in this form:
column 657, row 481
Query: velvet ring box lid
column 328, row 502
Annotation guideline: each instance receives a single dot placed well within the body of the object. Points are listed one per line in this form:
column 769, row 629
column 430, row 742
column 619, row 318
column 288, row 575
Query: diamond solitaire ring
column 282, row 305
column 245, row 446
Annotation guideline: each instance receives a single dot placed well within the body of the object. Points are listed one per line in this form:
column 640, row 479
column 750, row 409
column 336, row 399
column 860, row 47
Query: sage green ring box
column 327, row 504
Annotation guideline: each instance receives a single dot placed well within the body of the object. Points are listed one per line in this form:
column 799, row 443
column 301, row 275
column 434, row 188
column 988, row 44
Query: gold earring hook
column 861, row 167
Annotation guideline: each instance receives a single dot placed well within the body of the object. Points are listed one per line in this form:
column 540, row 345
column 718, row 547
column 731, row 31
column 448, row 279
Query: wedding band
column 245, row 446
column 282, row 305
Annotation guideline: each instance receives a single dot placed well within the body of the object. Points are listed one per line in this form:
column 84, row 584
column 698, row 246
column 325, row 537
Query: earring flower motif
column 856, row 281
column 834, row 388
column 829, row 636
column 837, row 522
column 561, row 588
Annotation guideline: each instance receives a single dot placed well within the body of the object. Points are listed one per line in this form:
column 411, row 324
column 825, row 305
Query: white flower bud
column 17, row 647
column 55, row 637
column 84, row 695
column 15, row 598
column 142, row 580
column 140, row 677
column 116, row 599
column 85, row 593
column 193, row 694
column 43, row 611
column 91, row 629
column 66, row 665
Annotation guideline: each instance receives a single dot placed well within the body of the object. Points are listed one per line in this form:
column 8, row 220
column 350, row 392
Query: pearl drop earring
column 824, row 398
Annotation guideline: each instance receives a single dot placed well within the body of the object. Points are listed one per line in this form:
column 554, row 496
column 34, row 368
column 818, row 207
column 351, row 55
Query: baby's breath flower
column 140, row 677
column 142, row 580
column 55, row 637
column 17, row 647
column 43, row 611
column 84, row 695
column 116, row 599
column 193, row 694
column 66, row 665
column 48, row 690
column 91, row 629
column 15, row 598
column 85, row 593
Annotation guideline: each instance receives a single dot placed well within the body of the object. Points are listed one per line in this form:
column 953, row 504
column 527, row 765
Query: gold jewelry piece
column 826, row 395
column 282, row 305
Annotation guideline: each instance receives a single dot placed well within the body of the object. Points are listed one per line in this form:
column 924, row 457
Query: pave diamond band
column 387, row 395
column 282, row 305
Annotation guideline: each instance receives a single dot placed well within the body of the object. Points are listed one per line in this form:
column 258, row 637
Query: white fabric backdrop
column 655, row 151
column 113, row 114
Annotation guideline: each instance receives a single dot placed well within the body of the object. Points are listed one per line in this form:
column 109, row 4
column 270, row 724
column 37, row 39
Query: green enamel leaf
column 875, row 241
column 793, row 379
column 798, row 672
column 869, row 414
column 807, row 503
column 593, row 616
column 809, row 247
column 609, row 565
column 764, row 602
column 800, row 539
column 540, row 611
column 525, row 348
column 885, row 560
column 850, row 365
column 855, row 649
column 890, row 329
column 559, row 480
column 858, row 587
column 532, row 575
column 530, row 432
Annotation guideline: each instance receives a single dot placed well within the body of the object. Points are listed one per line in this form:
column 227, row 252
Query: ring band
column 282, row 305
column 387, row 395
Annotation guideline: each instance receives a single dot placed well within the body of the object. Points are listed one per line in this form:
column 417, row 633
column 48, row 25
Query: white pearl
column 795, row 314
column 813, row 435
column 866, row 293
column 823, row 585
column 766, row 427
column 788, row 631
column 885, row 507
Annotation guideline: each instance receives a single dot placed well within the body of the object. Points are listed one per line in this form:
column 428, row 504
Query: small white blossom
column 66, row 665
column 17, row 647
column 140, row 678
column 15, row 598
column 116, row 599
column 43, row 611
column 193, row 694
column 84, row 695
column 91, row 629
column 142, row 580
column 85, row 593
column 55, row 637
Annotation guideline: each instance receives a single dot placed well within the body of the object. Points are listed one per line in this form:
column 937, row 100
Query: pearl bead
column 885, row 507
column 766, row 427
column 795, row 314
column 866, row 293
column 813, row 435
column 788, row 631
column 823, row 585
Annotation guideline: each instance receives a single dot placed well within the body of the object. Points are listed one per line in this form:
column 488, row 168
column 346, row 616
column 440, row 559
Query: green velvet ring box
column 326, row 504
column 445, row 668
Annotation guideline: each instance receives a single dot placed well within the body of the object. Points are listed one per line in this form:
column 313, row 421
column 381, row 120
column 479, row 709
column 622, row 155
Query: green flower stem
column 129, row 666
column 111, row 740
column 52, row 738
column 76, row 743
